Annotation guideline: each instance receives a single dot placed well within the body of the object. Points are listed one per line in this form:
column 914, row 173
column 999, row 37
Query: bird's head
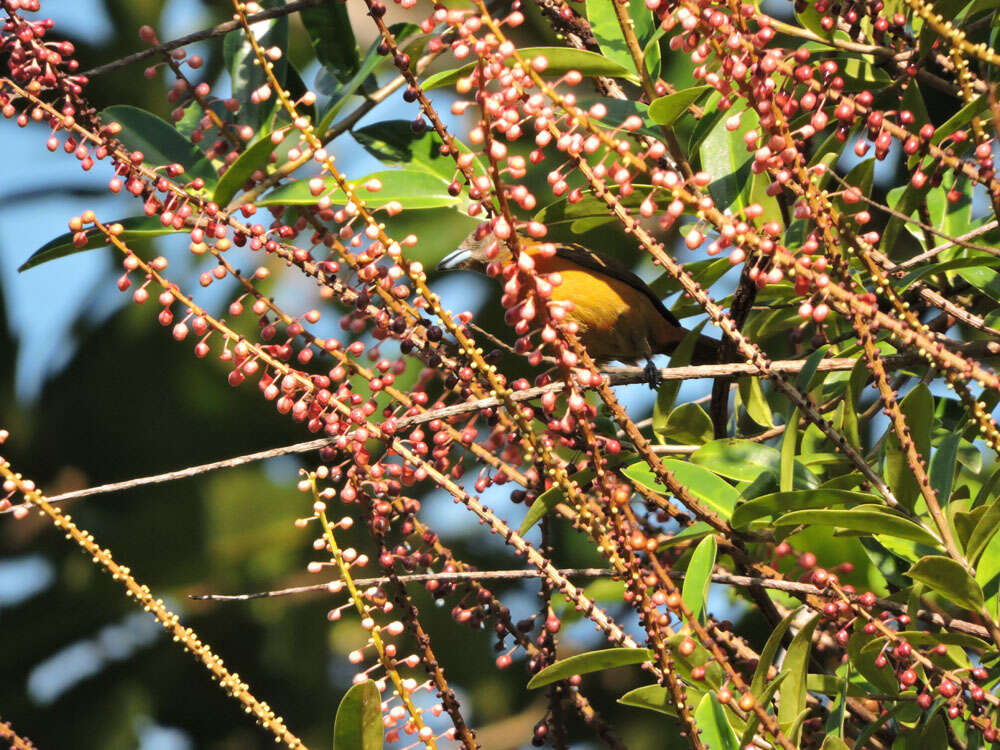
column 476, row 252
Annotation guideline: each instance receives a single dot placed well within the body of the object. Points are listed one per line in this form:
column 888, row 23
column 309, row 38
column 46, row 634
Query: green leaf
column 724, row 154
column 716, row 493
column 247, row 76
column 358, row 725
column 698, row 578
column 604, row 24
column 804, row 382
column 561, row 60
column 666, row 109
column 942, row 468
column 415, row 189
column 136, row 228
column 687, row 424
column 711, row 721
column 985, row 529
column 667, row 394
column 256, row 157
column 745, row 460
column 918, row 409
column 871, row 519
column 789, row 447
column 759, row 681
column 779, row 503
column 654, row 698
column 752, row 396
column 764, row 698
column 949, row 579
column 694, row 531
column 863, row 650
column 796, row 664
column 834, row 743
column 592, row 661
column 332, row 38
column 394, row 142
column 159, row 142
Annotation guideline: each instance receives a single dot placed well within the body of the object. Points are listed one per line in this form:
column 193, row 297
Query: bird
column 618, row 316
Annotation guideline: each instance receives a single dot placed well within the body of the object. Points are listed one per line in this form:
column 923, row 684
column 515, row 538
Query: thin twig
column 198, row 36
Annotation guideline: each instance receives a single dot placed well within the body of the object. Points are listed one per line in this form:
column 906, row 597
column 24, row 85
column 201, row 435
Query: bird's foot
column 653, row 377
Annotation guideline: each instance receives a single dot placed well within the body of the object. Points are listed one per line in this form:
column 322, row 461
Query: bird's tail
column 706, row 351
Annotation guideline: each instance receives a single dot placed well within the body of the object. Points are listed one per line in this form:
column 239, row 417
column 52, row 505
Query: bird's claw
column 653, row 377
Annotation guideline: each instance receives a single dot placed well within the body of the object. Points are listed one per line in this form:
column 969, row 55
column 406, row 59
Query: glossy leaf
column 358, row 725
column 592, row 661
column 789, row 447
column 686, row 424
column 796, row 665
column 415, row 189
column 666, row 109
column 604, row 24
column 949, row 579
column 561, row 60
column 764, row 698
column 754, row 401
column 724, row 154
column 869, row 519
column 804, row 381
column 942, row 468
column 716, row 493
column 698, row 577
column 918, row 409
column 653, row 698
column 779, row 503
column 713, row 725
column 159, row 142
column 136, row 228
column 984, row 530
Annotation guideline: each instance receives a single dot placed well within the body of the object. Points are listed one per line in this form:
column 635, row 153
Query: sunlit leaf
column 592, row 661
column 698, row 577
column 414, row 189
column 871, row 519
column 666, row 109
column 949, row 579
column 716, row 493
column 711, row 720
column 796, row 665
column 358, row 725
column 136, row 228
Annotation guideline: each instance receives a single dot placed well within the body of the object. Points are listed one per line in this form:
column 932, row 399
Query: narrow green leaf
column 789, row 447
column 698, row 578
column 694, row 531
column 745, row 460
column 415, row 189
column 592, row 661
column 358, row 725
column 985, row 529
column 779, row 503
column 796, row 664
column 753, row 720
column 918, row 409
column 159, row 142
column 232, row 181
column 656, row 698
column 716, row 493
column 666, row 109
column 759, row 681
column 804, row 382
column 711, row 720
column 136, row 228
column 949, row 579
column 942, row 468
column 561, row 60
column 871, row 519
column 833, row 742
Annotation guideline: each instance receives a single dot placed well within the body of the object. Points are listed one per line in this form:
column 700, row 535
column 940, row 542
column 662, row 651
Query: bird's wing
column 611, row 267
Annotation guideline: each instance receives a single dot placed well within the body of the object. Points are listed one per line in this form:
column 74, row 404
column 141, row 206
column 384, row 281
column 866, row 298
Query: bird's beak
column 456, row 260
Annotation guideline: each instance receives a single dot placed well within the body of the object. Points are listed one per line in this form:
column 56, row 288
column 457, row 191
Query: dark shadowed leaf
column 332, row 38
column 942, row 469
column 247, row 76
column 254, row 158
column 394, row 142
column 136, row 228
column 159, row 142
column 918, row 408
column 358, row 725
column 592, row 661
column 796, row 664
